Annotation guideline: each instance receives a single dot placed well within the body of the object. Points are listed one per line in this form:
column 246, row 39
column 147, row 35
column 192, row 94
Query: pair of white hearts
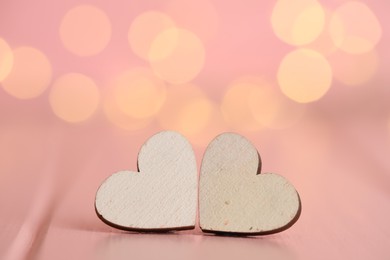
column 233, row 196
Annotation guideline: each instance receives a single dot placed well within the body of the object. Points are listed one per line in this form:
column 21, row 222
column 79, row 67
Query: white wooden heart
column 235, row 198
column 161, row 196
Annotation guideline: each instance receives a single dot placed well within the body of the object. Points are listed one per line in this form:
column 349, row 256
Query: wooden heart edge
column 143, row 230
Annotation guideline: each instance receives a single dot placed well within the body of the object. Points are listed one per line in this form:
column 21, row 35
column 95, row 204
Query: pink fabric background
column 336, row 154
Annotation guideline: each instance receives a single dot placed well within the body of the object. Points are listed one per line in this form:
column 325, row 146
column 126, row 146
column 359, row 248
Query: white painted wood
column 234, row 198
column 161, row 196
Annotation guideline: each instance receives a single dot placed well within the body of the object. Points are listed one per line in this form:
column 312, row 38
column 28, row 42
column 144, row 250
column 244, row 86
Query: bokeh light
column 194, row 115
column 324, row 43
column 30, row 75
column 235, row 105
column 304, row 75
column 215, row 126
column 252, row 103
column 85, row 30
column 167, row 40
column 74, row 97
column 288, row 114
column 299, row 23
column 6, row 59
column 264, row 102
column 269, row 106
column 144, row 29
column 120, row 119
column 354, row 28
column 184, row 60
column 354, row 69
column 186, row 14
column 139, row 93
column 186, row 110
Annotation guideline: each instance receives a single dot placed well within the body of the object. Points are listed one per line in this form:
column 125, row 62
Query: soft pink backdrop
column 335, row 151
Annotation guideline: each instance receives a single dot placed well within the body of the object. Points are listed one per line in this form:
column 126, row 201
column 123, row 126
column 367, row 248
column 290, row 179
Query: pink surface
column 336, row 153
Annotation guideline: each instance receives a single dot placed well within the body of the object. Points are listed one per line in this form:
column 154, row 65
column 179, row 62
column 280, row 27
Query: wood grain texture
column 162, row 196
column 235, row 198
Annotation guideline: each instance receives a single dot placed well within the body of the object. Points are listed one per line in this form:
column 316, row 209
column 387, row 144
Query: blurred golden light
column 215, row 126
column 30, row 75
column 354, row 69
column 186, row 56
column 236, row 108
column 168, row 40
column 299, row 23
column 74, row 97
column 194, row 116
column 324, row 43
column 139, row 93
column 264, row 103
column 85, row 30
column 289, row 113
column 269, row 106
column 187, row 14
column 120, row 119
column 252, row 103
column 304, row 75
column 354, row 28
column 6, row 59
column 144, row 29
column 186, row 110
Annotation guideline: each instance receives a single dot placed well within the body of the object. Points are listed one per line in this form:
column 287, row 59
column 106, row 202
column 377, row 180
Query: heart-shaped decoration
column 235, row 198
column 161, row 196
